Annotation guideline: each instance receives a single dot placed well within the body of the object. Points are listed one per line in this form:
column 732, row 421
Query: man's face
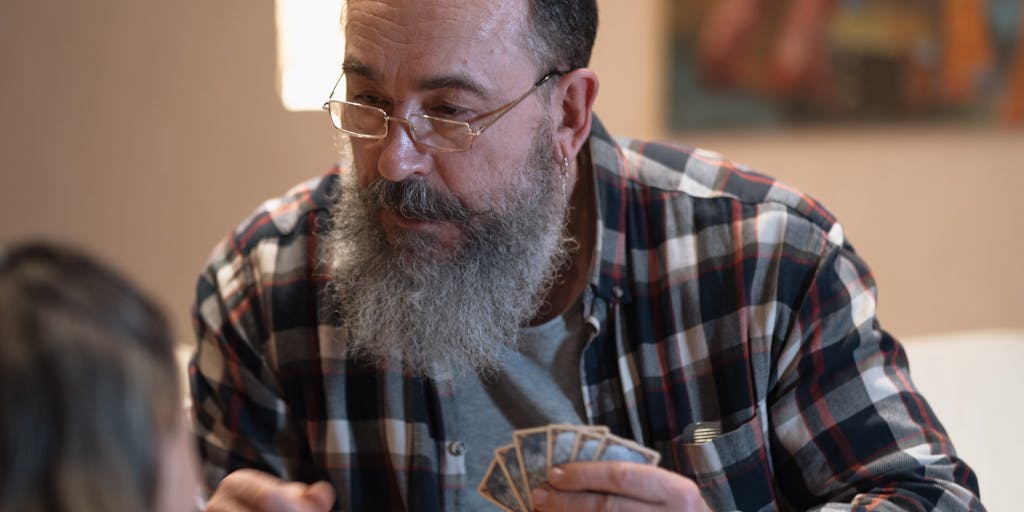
column 460, row 60
column 439, row 258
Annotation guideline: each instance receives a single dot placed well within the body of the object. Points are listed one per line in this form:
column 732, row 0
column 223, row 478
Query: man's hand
column 248, row 490
column 617, row 486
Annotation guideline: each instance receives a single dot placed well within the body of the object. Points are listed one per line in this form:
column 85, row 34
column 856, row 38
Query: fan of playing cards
column 520, row 467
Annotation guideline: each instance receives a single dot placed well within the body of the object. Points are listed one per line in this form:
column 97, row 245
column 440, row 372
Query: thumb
column 320, row 494
column 300, row 497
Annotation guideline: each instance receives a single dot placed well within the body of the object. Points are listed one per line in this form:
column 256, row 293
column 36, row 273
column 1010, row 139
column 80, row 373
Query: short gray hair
column 561, row 33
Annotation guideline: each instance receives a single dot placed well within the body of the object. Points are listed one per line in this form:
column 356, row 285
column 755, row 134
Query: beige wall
column 144, row 131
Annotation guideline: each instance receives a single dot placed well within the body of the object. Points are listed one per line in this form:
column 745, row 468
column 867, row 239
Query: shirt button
column 456, row 448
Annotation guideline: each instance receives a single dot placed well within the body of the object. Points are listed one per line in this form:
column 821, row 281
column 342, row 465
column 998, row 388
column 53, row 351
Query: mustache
column 414, row 199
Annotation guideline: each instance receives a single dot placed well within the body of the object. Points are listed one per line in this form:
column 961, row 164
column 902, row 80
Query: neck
column 582, row 214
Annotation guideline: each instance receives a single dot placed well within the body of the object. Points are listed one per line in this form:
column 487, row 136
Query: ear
column 574, row 110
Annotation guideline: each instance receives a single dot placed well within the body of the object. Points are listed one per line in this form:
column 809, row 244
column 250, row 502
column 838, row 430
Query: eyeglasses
column 437, row 133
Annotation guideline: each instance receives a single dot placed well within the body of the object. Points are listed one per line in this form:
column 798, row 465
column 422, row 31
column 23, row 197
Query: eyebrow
column 356, row 67
column 455, row 81
column 459, row 81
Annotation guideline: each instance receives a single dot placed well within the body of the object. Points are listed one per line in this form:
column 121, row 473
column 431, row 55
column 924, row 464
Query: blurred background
column 145, row 131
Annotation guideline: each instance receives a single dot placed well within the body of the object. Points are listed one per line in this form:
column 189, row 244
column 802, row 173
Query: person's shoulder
column 691, row 173
column 300, row 212
column 293, row 213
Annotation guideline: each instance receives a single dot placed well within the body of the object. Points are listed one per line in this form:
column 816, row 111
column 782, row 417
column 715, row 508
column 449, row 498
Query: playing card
column 587, row 444
column 509, row 460
column 532, row 449
column 498, row 489
column 617, row 448
column 522, row 466
column 561, row 444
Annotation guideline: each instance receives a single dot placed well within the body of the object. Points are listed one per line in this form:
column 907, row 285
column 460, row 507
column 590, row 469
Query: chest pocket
column 732, row 470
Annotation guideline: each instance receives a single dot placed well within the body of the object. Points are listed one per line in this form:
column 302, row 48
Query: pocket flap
column 732, row 470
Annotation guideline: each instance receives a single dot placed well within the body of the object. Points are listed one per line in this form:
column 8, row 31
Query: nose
column 400, row 157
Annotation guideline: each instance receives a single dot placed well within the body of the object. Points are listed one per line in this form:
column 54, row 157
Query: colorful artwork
column 739, row 63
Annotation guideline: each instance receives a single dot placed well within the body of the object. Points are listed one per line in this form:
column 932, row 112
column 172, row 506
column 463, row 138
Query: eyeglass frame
column 473, row 134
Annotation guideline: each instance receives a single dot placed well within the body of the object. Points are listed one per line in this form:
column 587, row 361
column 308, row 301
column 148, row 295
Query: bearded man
column 487, row 258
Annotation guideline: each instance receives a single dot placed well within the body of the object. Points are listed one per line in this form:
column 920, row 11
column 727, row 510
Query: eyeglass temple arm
column 504, row 110
column 331, row 96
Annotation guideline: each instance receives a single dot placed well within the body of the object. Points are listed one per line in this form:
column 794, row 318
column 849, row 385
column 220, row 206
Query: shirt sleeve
column 241, row 418
column 850, row 431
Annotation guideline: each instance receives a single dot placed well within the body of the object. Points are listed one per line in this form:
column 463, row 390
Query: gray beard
column 441, row 311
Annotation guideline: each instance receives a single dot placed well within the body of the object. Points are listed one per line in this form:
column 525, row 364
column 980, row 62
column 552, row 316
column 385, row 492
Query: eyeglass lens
column 366, row 121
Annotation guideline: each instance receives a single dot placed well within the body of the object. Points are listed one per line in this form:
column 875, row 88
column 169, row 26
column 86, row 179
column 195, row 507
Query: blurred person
column 90, row 404
column 487, row 257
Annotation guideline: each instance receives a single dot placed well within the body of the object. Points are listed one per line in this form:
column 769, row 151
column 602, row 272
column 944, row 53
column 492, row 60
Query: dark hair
column 562, row 33
column 88, row 380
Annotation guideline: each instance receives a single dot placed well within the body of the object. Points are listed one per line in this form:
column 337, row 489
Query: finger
column 321, row 494
column 636, row 481
column 553, row 500
column 300, row 497
column 251, row 490
column 245, row 489
column 286, row 497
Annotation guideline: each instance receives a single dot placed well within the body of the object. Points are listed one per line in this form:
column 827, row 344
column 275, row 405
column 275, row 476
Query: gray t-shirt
column 538, row 385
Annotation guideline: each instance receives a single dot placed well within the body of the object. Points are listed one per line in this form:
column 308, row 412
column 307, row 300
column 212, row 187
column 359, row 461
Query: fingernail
column 539, row 497
column 555, row 475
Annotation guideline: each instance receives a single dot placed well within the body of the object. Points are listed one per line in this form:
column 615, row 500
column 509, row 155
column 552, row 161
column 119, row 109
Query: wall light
column 310, row 48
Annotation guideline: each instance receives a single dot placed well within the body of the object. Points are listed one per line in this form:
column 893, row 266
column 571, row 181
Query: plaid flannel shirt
column 718, row 295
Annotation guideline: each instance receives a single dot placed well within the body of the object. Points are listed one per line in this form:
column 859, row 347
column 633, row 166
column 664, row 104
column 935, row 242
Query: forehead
column 417, row 37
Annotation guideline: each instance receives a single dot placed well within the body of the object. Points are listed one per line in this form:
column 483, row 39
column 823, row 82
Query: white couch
column 974, row 383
